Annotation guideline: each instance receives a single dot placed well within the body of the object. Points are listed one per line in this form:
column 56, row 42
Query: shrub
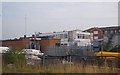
column 13, row 57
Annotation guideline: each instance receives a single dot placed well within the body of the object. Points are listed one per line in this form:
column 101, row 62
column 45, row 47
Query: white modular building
column 74, row 37
column 79, row 38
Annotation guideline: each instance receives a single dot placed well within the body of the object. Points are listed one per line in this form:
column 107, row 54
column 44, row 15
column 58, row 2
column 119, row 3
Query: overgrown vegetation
column 13, row 57
column 14, row 62
column 76, row 68
column 117, row 47
column 107, row 46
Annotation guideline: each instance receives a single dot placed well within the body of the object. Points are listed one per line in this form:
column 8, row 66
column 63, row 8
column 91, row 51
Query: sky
column 0, row 20
column 60, row 0
column 48, row 17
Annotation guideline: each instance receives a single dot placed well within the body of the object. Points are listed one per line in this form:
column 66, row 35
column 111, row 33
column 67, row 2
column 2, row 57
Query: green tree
column 13, row 57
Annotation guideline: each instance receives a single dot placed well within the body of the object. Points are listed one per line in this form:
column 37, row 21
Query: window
column 61, row 35
column 95, row 32
column 61, row 44
column 58, row 36
column 65, row 35
column 95, row 37
column 83, row 36
column 57, row 44
column 87, row 36
column 78, row 36
column 65, row 44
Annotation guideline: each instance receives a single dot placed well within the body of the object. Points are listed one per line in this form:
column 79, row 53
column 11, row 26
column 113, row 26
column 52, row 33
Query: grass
column 20, row 66
column 59, row 68
column 0, row 63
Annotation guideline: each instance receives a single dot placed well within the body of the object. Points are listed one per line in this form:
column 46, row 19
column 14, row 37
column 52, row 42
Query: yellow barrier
column 108, row 54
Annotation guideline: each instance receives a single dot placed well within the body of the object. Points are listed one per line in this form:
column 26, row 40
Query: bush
column 13, row 57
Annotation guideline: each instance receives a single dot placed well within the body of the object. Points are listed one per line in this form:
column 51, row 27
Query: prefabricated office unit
column 74, row 37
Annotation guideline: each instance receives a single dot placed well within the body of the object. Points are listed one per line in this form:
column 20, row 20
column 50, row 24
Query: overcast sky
column 55, row 16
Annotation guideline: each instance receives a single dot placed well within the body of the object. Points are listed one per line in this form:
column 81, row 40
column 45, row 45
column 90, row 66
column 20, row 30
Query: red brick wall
column 21, row 44
column 0, row 43
column 45, row 43
column 16, row 44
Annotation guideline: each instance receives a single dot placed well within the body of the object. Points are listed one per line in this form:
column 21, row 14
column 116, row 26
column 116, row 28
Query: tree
column 13, row 57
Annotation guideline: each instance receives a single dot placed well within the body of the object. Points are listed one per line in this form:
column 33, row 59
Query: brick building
column 45, row 43
column 100, row 33
column 104, row 37
column 31, row 43
column 17, row 44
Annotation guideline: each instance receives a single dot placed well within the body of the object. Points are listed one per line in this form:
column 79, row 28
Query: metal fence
column 70, row 50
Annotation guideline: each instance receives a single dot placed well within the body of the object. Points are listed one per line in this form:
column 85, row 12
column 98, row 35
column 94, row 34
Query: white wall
column 74, row 36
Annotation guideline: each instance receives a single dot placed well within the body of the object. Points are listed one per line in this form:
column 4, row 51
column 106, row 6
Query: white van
column 32, row 52
column 4, row 49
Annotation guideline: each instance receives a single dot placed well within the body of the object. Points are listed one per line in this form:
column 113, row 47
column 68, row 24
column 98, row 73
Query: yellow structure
column 108, row 55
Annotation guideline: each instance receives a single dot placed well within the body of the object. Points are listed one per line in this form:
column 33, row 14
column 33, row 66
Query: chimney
column 24, row 36
column 33, row 36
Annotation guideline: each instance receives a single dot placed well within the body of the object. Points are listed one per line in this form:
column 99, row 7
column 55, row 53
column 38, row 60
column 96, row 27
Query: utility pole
column 25, row 24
